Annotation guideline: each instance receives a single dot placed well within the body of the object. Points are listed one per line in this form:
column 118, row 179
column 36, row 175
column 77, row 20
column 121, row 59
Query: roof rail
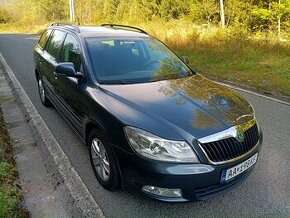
column 68, row 25
column 124, row 26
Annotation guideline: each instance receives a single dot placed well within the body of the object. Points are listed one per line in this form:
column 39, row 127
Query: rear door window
column 72, row 51
column 44, row 37
column 55, row 44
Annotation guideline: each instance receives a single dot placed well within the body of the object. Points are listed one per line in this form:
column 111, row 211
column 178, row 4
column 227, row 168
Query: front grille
column 230, row 148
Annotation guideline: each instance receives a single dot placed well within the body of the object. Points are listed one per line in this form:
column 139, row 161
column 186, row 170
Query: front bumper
column 196, row 181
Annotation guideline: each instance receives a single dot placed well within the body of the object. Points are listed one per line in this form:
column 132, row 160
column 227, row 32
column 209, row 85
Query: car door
column 71, row 91
column 51, row 56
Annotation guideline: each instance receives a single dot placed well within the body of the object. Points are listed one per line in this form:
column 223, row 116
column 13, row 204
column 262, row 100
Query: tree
column 110, row 8
column 238, row 13
column 5, row 16
column 279, row 10
column 253, row 15
column 173, row 9
column 204, row 11
column 275, row 13
column 54, row 10
column 222, row 13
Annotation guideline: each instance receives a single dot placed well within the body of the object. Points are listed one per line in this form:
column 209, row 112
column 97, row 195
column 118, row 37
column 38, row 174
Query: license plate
column 236, row 170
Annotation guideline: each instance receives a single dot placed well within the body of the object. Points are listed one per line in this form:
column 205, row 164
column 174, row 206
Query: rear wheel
column 103, row 161
column 44, row 100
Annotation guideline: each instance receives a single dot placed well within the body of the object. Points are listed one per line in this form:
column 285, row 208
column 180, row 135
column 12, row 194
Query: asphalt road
column 265, row 193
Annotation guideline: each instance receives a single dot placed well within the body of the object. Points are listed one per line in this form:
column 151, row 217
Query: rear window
column 55, row 43
column 44, row 37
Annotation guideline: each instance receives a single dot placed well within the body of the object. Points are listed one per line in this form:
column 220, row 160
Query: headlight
column 154, row 147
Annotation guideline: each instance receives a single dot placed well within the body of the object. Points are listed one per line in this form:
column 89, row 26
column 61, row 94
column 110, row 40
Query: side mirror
column 185, row 59
column 67, row 69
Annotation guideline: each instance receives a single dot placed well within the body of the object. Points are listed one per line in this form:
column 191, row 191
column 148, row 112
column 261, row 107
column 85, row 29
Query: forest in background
column 248, row 46
column 262, row 17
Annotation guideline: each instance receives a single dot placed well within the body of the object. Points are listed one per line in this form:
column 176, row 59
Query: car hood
column 194, row 104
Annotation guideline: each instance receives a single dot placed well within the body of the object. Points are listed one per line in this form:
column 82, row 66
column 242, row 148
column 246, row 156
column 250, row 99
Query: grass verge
column 234, row 55
column 262, row 66
column 10, row 192
column 21, row 28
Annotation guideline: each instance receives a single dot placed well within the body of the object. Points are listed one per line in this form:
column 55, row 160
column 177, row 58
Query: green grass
column 259, row 61
column 250, row 66
column 8, row 206
column 21, row 28
column 261, row 64
column 10, row 194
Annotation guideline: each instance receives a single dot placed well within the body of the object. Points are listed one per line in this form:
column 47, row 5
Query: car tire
column 103, row 161
column 44, row 100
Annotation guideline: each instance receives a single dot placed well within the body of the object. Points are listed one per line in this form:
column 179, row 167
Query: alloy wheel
column 100, row 159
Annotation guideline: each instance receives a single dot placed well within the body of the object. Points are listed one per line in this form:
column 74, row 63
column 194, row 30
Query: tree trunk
column 279, row 24
column 222, row 13
column 71, row 10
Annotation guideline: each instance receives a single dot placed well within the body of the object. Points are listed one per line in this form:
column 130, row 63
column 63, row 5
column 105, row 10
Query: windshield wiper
column 126, row 82
column 117, row 82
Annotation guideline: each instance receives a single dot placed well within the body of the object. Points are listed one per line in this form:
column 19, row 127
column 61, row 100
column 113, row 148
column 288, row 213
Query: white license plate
column 236, row 170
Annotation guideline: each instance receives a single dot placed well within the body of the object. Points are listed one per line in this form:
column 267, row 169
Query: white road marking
column 253, row 93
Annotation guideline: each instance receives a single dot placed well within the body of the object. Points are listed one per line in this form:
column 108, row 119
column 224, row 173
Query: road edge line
column 252, row 93
column 82, row 202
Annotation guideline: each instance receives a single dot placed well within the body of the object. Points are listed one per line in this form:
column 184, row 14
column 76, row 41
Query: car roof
column 105, row 30
column 109, row 31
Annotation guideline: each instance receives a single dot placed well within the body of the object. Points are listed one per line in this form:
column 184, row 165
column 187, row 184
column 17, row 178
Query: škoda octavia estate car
column 148, row 119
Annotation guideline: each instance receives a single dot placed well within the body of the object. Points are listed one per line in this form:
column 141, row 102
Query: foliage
column 5, row 16
column 10, row 194
column 252, row 15
column 267, row 17
column 204, row 11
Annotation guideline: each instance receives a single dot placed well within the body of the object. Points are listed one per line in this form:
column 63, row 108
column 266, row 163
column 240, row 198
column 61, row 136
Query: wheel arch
column 90, row 125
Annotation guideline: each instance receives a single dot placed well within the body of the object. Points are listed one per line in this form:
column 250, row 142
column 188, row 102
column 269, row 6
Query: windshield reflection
column 133, row 60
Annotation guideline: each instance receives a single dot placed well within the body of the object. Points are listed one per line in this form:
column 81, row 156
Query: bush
column 5, row 16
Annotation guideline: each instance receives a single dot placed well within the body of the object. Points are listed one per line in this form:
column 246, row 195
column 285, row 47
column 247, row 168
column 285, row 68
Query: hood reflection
column 193, row 104
column 221, row 101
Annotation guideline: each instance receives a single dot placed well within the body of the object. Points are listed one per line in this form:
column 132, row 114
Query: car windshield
column 133, row 60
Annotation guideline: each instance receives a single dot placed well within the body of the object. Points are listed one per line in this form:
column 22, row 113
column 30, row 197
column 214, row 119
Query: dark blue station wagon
column 150, row 122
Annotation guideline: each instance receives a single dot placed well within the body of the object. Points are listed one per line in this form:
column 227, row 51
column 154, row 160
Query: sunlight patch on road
column 33, row 38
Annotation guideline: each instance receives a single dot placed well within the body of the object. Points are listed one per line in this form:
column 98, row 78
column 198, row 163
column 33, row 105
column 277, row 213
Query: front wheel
column 44, row 100
column 103, row 161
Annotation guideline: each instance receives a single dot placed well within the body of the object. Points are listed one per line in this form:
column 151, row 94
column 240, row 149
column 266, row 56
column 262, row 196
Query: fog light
column 164, row 192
